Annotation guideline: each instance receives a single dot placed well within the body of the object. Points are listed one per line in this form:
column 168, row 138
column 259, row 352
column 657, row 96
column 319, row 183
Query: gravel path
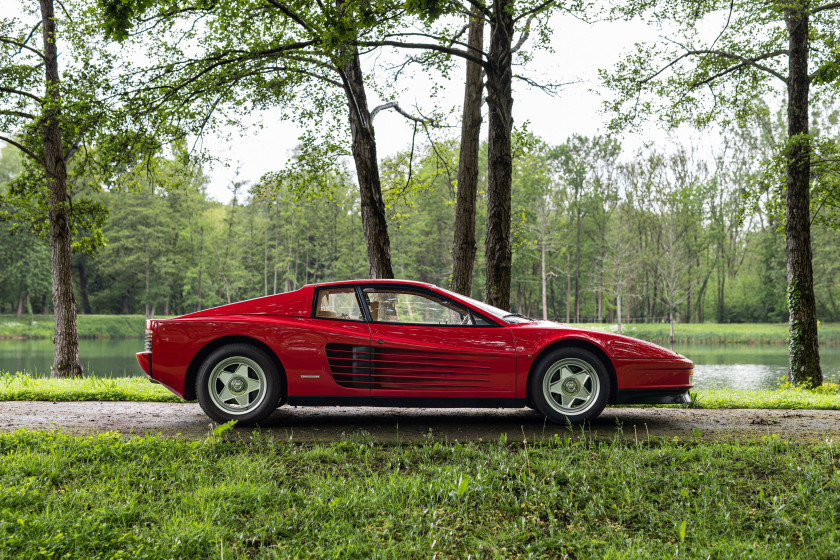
column 400, row 424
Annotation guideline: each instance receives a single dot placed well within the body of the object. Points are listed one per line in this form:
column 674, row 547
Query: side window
column 403, row 306
column 338, row 303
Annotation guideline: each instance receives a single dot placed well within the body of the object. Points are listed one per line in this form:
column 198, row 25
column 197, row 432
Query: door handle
column 381, row 341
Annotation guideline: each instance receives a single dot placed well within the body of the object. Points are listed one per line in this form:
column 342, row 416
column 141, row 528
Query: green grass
column 108, row 497
column 90, row 326
column 713, row 333
column 826, row 397
column 23, row 387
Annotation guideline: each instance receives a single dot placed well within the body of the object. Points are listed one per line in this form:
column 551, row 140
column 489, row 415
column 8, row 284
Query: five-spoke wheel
column 238, row 382
column 570, row 384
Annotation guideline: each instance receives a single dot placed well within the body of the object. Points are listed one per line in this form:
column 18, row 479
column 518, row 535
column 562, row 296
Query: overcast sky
column 580, row 49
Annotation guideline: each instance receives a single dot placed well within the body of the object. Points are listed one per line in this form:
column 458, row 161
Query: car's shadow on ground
column 466, row 424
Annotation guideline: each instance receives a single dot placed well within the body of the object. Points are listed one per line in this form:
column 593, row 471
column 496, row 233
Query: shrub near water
column 106, row 497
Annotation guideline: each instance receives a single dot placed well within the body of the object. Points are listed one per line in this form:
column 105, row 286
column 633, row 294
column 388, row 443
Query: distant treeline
column 595, row 229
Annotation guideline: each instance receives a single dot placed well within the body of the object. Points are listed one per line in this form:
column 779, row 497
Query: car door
column 340, row 335
column 424, row 344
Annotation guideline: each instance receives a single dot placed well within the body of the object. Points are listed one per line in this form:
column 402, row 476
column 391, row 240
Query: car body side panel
column 300, row 344
column 442, row 361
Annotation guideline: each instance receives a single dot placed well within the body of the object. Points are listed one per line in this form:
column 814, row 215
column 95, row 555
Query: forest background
column 659, row 225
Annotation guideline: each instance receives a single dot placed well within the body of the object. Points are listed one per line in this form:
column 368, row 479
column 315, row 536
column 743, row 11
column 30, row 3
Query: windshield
column 506, row 316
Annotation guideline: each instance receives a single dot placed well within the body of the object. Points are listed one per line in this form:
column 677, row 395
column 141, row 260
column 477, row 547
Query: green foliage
column 106, row 496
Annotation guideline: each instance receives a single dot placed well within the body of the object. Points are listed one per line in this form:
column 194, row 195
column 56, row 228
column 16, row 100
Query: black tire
column 570, row 385
column 238, row 382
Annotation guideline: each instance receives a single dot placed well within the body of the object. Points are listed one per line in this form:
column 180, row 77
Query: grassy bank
column 105, row 497
column 713, row 333
column 23, row 387
column 90, row 326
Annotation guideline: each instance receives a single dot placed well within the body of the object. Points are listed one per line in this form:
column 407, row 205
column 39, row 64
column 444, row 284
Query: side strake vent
column 147, row 344
column 393, row 368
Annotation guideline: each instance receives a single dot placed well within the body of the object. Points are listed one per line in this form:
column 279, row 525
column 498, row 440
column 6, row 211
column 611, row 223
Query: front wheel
column 238, row 382
column 570, row 384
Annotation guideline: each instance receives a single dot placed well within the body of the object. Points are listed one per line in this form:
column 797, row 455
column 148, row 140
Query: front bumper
column 653, row 396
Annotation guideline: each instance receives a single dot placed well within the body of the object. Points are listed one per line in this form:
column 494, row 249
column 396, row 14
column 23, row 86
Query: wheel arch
column 576, row 343
column 198, row 359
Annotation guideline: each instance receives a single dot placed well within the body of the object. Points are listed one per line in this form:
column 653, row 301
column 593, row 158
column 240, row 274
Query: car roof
column 376, row 281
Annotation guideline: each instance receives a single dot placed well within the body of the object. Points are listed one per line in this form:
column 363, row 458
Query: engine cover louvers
column 394, row 368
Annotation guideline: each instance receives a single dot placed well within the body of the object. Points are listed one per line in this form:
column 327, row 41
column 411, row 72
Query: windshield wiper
column 520, row 315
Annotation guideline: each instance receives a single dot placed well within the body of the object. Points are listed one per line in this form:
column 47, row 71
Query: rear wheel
column 570, row 384
column 238, row 382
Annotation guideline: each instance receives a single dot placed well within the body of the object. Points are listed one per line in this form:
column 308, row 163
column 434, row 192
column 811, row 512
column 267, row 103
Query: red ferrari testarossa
column 400, row 343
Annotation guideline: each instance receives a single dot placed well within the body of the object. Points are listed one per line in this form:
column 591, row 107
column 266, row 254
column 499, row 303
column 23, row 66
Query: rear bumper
column 653, row 396
column 145, row 361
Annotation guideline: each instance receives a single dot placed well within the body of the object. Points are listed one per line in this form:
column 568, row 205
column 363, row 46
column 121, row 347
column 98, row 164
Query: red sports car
column 399, row 343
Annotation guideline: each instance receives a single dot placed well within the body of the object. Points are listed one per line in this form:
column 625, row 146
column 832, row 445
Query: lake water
column 739, row 366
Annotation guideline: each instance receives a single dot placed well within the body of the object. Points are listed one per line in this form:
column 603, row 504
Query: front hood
column 297, row 304
column 615, row 345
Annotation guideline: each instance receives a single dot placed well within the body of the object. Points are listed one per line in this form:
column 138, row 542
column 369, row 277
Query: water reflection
column 747, row 366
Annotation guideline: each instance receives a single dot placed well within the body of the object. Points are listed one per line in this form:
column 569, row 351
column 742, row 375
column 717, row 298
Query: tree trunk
column 200, row 266
column 367, row 171
column 542, row 275
column 671, row 323
column 568, row 284
column 148, row 283
column 464, row 246
column 265, row 254
column 497, row 247
column 20, row 305
column 804, row 345
column 618, row 310
column 222, row 274
column 577, row 264
column 66, row 353
column 274, row 289
column 83, row 287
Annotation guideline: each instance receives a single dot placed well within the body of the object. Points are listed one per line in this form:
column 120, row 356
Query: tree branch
column 292, row 15
column 22, row 148
column 744, row 62
column 22, row 93
column 537, row 9
column 10, row 41
column 824, row 7
column 423, row 46
column 458, row 35
column 524, row 37
column 18, row 114
column 393, row 105
column 452, row 41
